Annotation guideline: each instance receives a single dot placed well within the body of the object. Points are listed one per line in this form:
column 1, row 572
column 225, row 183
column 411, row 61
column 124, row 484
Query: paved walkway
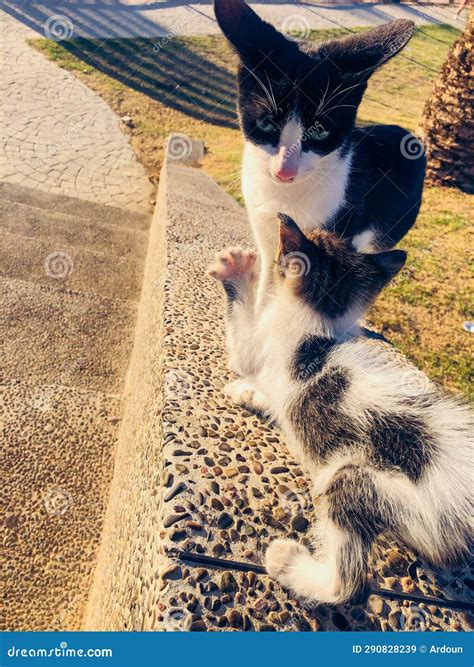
column 151, row 18
column 57, row 135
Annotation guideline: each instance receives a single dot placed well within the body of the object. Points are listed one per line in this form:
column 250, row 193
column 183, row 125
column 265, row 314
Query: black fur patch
column 230, row 290
column 316, row 416
column 338, row 276
column 310, row 357
column 355, row 505
column 401, row 442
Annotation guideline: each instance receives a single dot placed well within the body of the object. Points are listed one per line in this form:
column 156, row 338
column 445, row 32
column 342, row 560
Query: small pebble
column 299, row 523
column 172, row 572
column 235, row 618
column 174, row 518
column 277, row 470
column 224, row 520
column 172, row 493
column 227, row 582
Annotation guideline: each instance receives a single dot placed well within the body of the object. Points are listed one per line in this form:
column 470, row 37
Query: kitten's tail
column 337, row 577
column 352, row 514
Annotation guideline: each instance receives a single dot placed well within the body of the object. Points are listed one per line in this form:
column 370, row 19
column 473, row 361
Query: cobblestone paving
column 148, row 18
column 57, row 135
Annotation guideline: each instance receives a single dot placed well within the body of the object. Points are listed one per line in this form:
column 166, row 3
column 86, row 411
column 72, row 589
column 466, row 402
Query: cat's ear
column 364, row 52
column 291, row 236
column 253, row 38
column 388, row 264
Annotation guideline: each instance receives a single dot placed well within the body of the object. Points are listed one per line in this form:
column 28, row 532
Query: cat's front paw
column 233, row 264
column 281, row 557
column 245, row 393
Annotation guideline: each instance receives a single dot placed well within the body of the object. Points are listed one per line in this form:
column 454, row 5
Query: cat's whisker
column 323, row 98
column 341, row 92
column 337, row 106
column 272, row 93
column 259, row 80
column 262, row 101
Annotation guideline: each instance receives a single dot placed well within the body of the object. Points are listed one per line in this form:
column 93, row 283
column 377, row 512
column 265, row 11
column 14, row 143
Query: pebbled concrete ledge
column 194, row 472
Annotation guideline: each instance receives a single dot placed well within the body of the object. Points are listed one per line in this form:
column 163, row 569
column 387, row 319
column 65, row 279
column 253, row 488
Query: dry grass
column 423, row 312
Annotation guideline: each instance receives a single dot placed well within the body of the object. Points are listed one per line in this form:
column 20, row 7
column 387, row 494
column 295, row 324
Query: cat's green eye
column 316, row 133
column 266, row 125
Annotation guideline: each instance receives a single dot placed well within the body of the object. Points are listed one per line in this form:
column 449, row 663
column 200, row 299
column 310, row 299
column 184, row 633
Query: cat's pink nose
column 285, row 164
column 285, row 174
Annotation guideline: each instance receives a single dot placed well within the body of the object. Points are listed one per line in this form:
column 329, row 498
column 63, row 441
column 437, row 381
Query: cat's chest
column 313, row 201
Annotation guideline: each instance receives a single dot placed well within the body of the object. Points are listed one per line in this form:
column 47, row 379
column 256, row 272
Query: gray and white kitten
column 386, row 451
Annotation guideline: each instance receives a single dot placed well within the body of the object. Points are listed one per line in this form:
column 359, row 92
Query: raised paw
column 233, row 264
column 280, row 558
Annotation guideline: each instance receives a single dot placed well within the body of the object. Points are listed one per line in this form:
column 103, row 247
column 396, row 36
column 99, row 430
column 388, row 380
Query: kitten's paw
column 239, row 391
column 233, row 264
column 242, row 392
column 280, row 557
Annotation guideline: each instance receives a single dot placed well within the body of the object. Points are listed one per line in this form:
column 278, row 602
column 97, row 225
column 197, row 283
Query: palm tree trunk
column 448, row 119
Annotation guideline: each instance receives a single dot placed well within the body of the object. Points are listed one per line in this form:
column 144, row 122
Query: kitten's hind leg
column 246, row 393
column 351, row 516
column 331, row 576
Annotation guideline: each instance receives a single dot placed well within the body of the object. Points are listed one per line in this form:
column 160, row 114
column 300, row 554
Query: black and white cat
column 386, row 451
column 303, row 154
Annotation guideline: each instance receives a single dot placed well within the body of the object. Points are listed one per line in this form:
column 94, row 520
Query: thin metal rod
column 202, row 559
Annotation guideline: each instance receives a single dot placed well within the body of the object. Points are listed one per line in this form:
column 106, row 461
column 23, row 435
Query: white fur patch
column 363, row 242
column 312, row 198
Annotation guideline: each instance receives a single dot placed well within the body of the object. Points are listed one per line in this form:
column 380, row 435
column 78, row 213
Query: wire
column 203, row 559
